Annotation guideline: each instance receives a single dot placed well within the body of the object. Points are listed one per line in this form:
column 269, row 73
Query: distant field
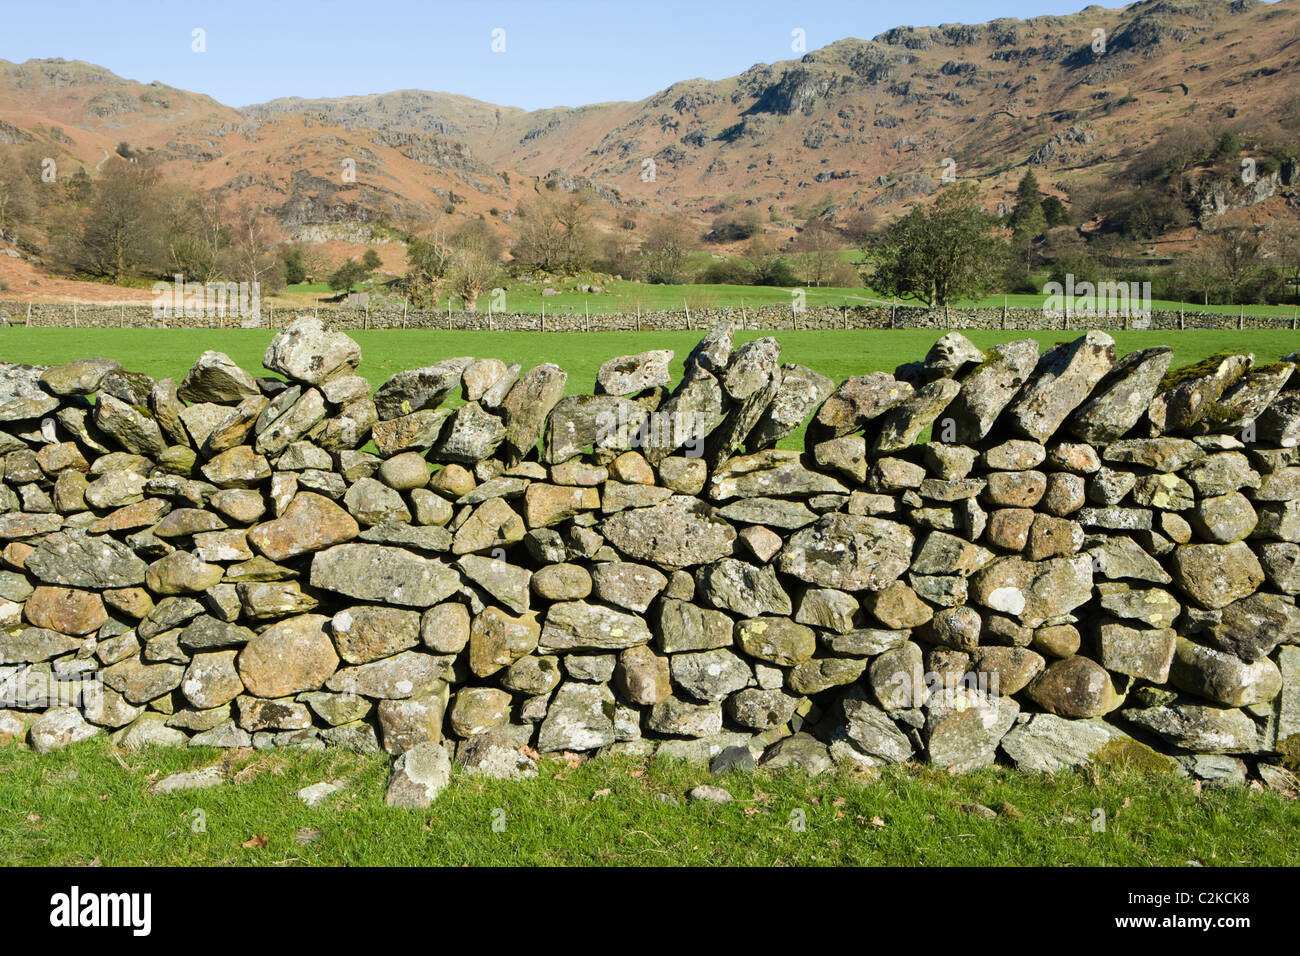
column 626, row 296
column 835, row 353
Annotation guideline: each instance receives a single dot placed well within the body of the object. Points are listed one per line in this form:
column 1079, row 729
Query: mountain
column 858, row 124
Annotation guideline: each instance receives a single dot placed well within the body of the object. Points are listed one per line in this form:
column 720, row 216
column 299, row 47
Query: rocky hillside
column 860, row 123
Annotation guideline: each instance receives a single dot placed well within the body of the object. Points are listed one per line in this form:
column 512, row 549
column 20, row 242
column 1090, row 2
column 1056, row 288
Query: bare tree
column 816, row 251
column 254, row 237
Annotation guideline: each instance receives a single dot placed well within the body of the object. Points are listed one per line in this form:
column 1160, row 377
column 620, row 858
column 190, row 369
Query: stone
column 336, row 709
column 1151, row 606
column 59, row 727
column 493, row 524
column 141, row 683
column 418, row 389
column 1122, row 397
column 683, row 626
column 799, row 751
column 311, row 522
column 630, row 374
column 267, row 600
column 687, row 418
column 1034, row 591
column 1116, row 558
column 526, row 407
column 1253, row 626
column 545, row 505
column 132, row 428
column 403, row 675
column 189, row 780
column 897, row 606
column 857, row 401
column 800, row 391
column 472, row 435
column 1008, row 528
column 872, row 732
column 1074, row 687
column 81, row 377
column 1006, row 670
column 1188, row 394
column 761, row 710
column 772, row 512
column 370, row 632
column 561, row 582
column 627, row 585
column 239, row 467
column 964, row 730
column 414, row 432
column 575, row 625
column 848, row 552
column 1225, row 518
column 482, row 375
column 1159, row 454
column 207, row 633
column 418, row 776
column 822, row 673
column 1222, row 677
column 777, row 640
column 181, row 573
column 65, row 610
column 1046, row 743
column 1198, row 728
column 679, row 532
column 1015, row 489
column 772, row 473
column 290, row 657
column 901, row 426
column 211, row 680
column 747, row 590
column 476, row 710
column 371, row 502
column 827, row 608
column 404, row 472
column 679, row 718
column 953, row 353
column 306, row 351
column 1215, row 575
column 990, row 386
column 296, row 421
column 77, row 559
column 643, row 677
column 710, row 675
column 1163, row 492
column 497, row 640
column 580, row 717
column 372, row 572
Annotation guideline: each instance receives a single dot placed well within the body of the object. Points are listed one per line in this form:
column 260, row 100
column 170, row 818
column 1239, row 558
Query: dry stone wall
column 1084, row 553
column 767, row 317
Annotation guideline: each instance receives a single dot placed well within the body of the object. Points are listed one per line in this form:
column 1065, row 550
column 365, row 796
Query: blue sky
column 557, row 52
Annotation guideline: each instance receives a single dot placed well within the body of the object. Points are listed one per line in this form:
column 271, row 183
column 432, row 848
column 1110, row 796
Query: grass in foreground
column 91, row 803
column 835, row 353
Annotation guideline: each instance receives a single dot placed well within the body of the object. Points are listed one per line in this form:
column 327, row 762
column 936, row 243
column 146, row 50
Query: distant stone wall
column 1085, row 555
column 764, row 318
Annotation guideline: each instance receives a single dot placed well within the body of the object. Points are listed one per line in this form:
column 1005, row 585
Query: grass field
column 835, row 353
column 90, row 803
column 629, row 296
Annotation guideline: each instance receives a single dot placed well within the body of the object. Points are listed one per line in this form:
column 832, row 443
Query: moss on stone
column 1178, row 376
column 1289, row 750
column 1125, row 753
